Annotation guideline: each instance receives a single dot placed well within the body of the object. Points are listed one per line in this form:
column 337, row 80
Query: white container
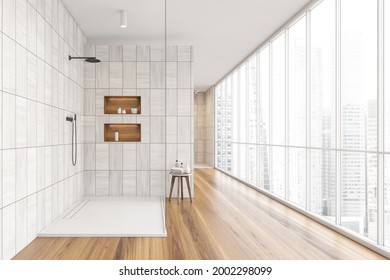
column 116, row 136
column 188, row 170
column 134, row 110
column 123, row 111
column 119, row 111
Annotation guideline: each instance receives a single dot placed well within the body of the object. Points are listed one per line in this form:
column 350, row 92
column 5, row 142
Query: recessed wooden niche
column 112, row 103
column 128, row 132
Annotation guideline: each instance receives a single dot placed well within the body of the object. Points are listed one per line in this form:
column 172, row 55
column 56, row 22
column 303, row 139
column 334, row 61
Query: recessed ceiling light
column 123, row 19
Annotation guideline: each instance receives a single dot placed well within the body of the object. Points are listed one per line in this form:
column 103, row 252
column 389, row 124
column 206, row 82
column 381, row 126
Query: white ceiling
column 223, row 32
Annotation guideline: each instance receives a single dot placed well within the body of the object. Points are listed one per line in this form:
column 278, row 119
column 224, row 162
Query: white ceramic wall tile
column 9, row 121
column 102, row 52
column 129, row 53
column 89, row 75
column 9, row 69
column 21, row 22
column 1, row 224
column 48, row 43
column 116, row 156
column 31, row 76
column 145, row 101
column 48, row 85
column 171, row 155
column 143, row 53
column 9, row 173
column 116, row 73
column 157, row 183
column 21, row 71
column 48, row 166
column 171, row 102
column 89, row 129
column 31, row 217
column 157, row 129
column 100, row 93
column 31, row 170
column 102, row 75
column 184, row 53
column 40, row 168
column 89, row 50
column 143, row 74
column 184, row 130
column 184, row 75
column 9, row 13
column 99, row 130
column 171, row 123
column 48, row 206
column 1, row 59
column 54, row 197
column 143, row 156
column 1, row 182
column 55, row 5
column 171, row 75
column 157, row 75
column 157, row 102
column 157, row 156
column 40, row 37
column 21, row 225
column 21, row 173
column 48, row 11
column 129, row 156
column 89, row 102
column 102, row 156
column 129, row 183
column 184, row 153
column 116, row 182
column 40, row 210
column 40, row 124
column 116, row 53
column 89, row 156
column 145, row 129
column 54, row 83
column 102, row 183
column 129, row 75
column 157, row 53
column 9, row 231
column 40, row 80
column 184, row 102
column 21, row 122
column 143, row 183
column 89, row 183
column 48, row 125
column 172, row 53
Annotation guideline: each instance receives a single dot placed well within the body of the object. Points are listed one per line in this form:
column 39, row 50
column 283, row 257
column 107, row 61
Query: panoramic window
column 303, row 120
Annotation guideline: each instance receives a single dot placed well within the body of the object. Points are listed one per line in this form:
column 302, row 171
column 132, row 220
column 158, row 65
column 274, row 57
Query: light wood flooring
column 227, row 220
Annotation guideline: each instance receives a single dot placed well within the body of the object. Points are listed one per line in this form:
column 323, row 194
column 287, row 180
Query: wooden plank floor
column 227, row 220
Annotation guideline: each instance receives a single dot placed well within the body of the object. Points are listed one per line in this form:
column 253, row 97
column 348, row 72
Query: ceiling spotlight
column 123, row 19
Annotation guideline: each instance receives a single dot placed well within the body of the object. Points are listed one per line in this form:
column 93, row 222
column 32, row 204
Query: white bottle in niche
column 116, row 136
column 188, row 170
column 119, row 111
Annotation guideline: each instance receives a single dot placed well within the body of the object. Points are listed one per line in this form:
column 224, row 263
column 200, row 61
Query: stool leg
column 178, row 189
column 181, row 187
column 189, row 187
column 172, row 184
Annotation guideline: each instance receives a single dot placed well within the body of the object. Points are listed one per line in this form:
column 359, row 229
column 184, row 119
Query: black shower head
column 90, row 59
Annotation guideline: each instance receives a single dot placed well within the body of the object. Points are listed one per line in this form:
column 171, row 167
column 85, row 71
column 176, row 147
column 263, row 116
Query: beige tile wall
column 166, row 120
column 204, row 127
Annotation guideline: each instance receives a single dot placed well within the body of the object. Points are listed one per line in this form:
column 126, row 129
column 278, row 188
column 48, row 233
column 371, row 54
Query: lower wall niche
column 127, row 132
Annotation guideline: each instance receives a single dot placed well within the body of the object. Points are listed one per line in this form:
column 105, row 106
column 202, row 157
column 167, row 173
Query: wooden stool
column 180, row 185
